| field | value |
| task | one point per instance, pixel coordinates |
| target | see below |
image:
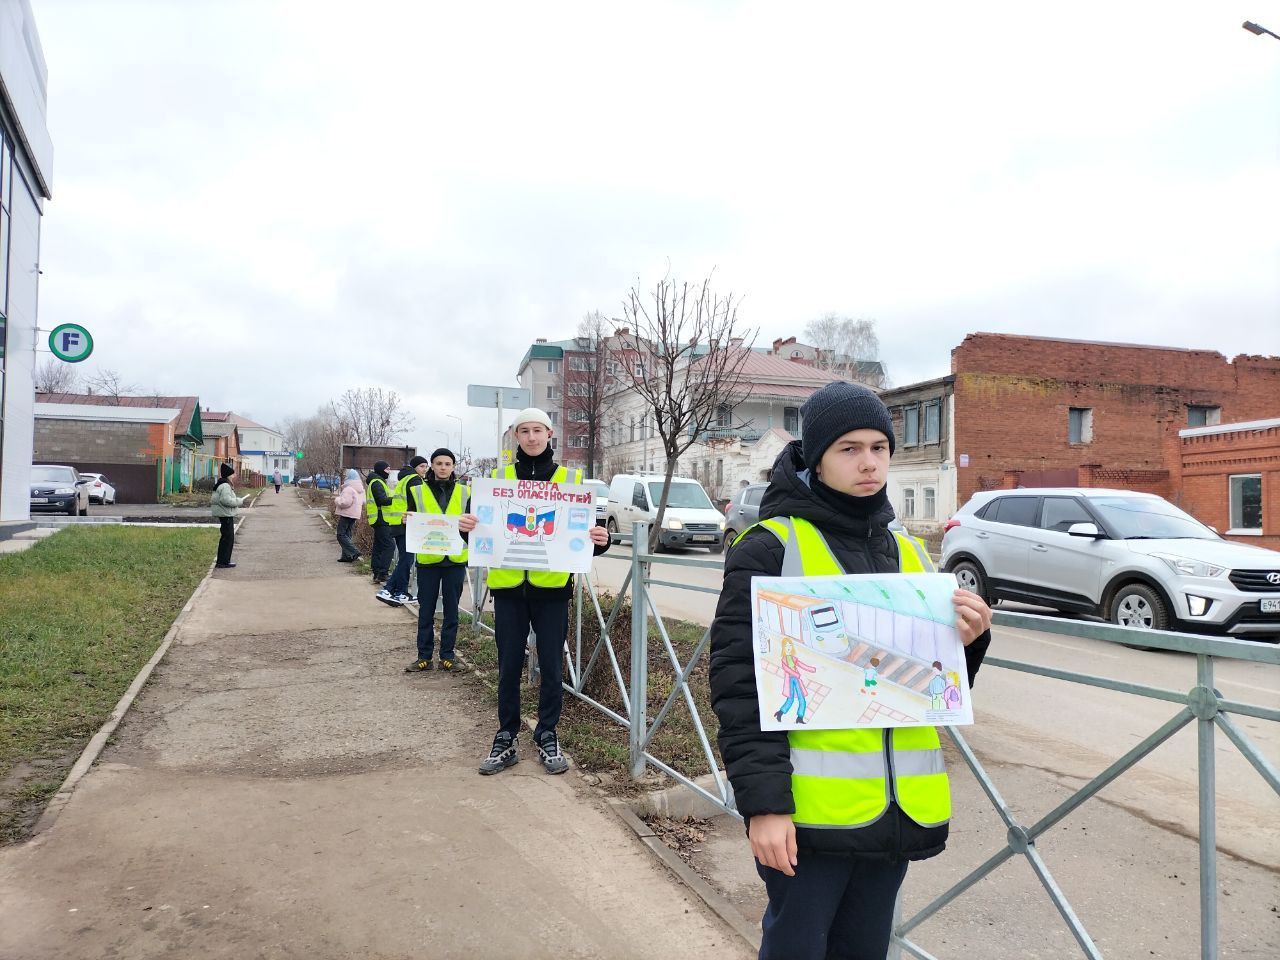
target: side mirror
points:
(1084, 530)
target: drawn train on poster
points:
(858, 651)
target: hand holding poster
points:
(432, 533)
(532, 525)
(871, 650)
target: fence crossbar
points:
(682, 680)
(604, 641)
(1062, 904)
(957, 888)
(1088, 679)
(1250, 750)
(721, 801)
(692, 587)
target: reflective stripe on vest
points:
(499, 579)
(371, 507)
(427, 503)
(846, 778)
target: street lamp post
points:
(1258, 30)
(459, 419)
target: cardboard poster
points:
(532, 525)
(432, 533)
(867, 650)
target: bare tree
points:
(590, 386)
(56, 376)
(684, 356)
(319, 437)
(109, 383)
(371, 415)
(842, 342)
(483, 466)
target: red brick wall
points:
(1012, 394)
(1207, 463)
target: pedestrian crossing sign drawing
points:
(531, 525)
(848, 652)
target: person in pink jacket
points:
(349, 504)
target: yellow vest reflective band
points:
(502, 579)
(394, 514)
(371, 507)
(427, 503)
(846, 778)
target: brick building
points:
(131, 445)
(1229, 477)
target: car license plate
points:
(1271, 606)
(703, 538)
(39, 499)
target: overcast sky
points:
(267, 203)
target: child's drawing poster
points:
(532, 525)
(868, 650)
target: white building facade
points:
(263, 449)
(26, 160)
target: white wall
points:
(19, 387)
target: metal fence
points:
(1202, 705)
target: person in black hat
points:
(831, 867)
(225, 505)
(377, 498)
(396, 592)
(439, 577)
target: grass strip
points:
(80, 613)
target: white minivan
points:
(691, 520)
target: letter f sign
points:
(70, 338)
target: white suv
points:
(1132, 558)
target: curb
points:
(93, 750)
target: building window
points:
(582, 364)
(639, 369)
(791, 420)
(1246, 502)
(911, 425)
(1080, 425)
(1199, 416)
(553, 392)
(612, 368)
(554, 417)
(932, 421)
(553, 366)
(579, 416)
(908, 503)
(719, 472)
(724, 415)
(579, 389)
(578, 442)
(633, 428)
(553, 442)
(930, 503)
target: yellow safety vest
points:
(394, 514)
(371, 507)
(499, 579)
(846, 778)
(427, 503)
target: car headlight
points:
(65, 490)
(722, 525)
(1188, 567)
(672, 523)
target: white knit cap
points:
(531, 415)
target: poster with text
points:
(867, 650)
(434, 534)
(532, 525)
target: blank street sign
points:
(509, 398)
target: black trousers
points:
(384, 549)
(349, 548)
(226, 539)
(399, 580)
(515, 611)
(834, 908)
(434, 579)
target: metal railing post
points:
(1205, 708)
(639, 649)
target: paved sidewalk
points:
(282, 789)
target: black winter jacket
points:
(758, 762)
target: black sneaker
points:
(501, 756)
(448, 665)
(421, 666)
(553, 761)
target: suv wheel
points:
(1137, 605)
(970, 577)
(612, 527)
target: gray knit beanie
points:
(835, 410)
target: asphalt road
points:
(1074, 731)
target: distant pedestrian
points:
(225, 505)
(347, 506)
(276, 479)
(396, 591)
(379, 511)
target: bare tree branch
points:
(56, 376)
(589, 392)
(109, 383)
(372, 416)
(842, 342)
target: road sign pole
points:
(498, 394)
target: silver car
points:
(1132, 558)
(743, 510)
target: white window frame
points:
(930, 503)
(553, 392)
(1086, 425)
(911, 415)
(579, 389)
(908, 503)
(553, 366)
(1235, 508)
(579, 416)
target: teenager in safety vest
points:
(537, 599)
(833, 816)
(396, 592)
(377, 498)
(439, 492)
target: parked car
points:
(743, 510)
(690, 519)
(1133, 558)
(601, 490)
(101, 489)
(58, 489)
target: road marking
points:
(1246, 686)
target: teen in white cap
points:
(537, 600)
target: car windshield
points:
(1138, 518)
(687, 495)
(598, 487)
(52, 475)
